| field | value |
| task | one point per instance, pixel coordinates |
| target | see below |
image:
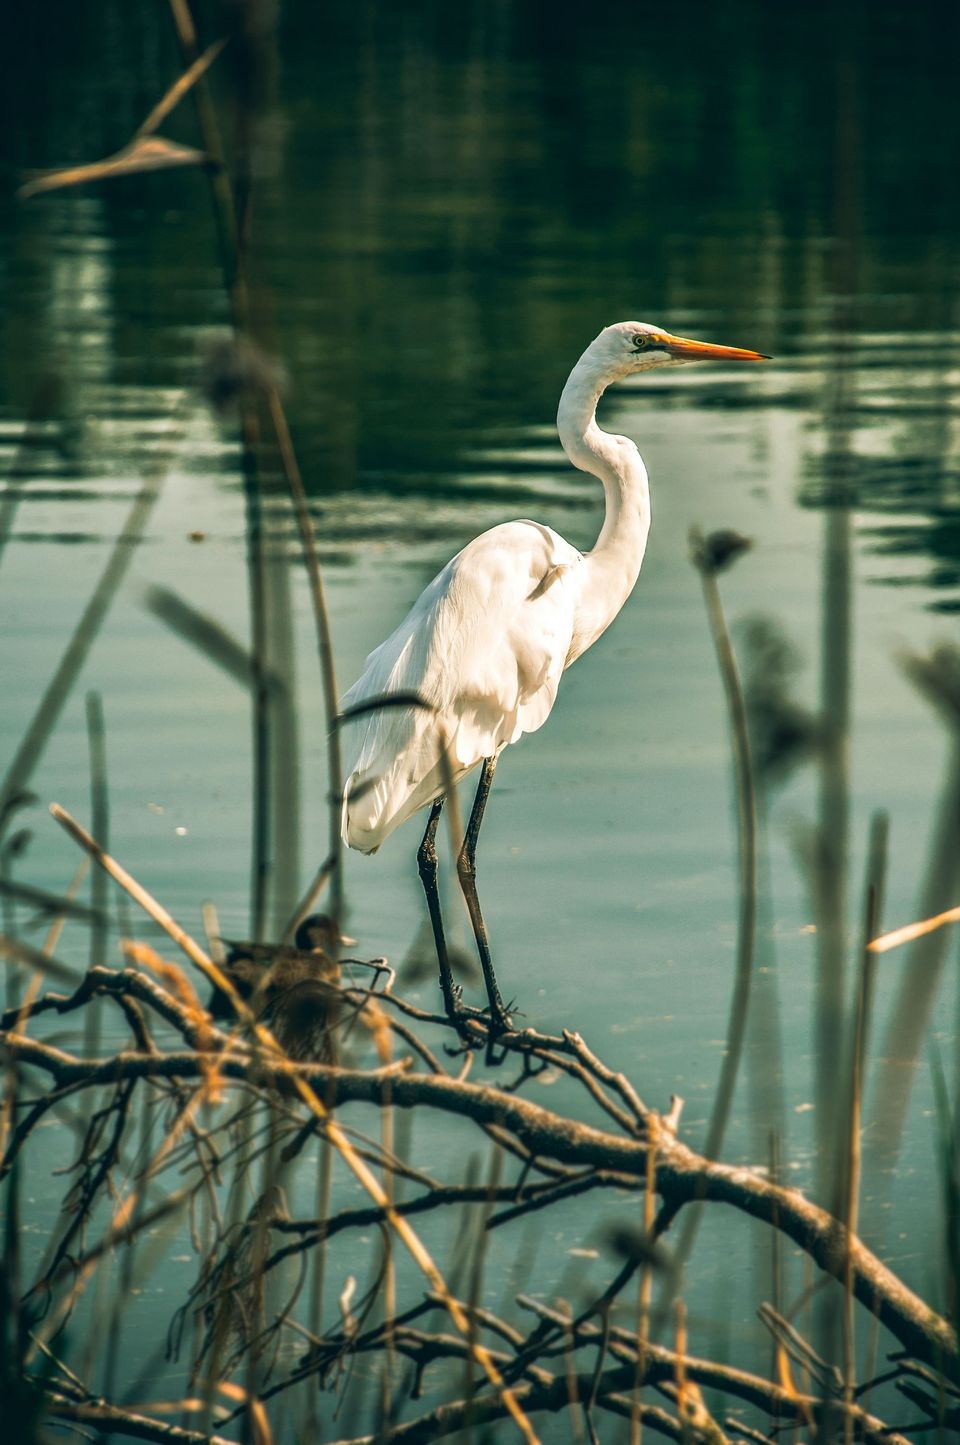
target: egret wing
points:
(484, 647)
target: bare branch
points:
(682, 1176)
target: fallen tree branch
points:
(682, 1176)
(108, 1419)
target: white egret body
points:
(486, 643)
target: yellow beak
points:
(705, 351)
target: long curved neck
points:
(614, 563)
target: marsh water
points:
(448, 203)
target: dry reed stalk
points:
(61, 683)
(231, 251)
(876, 866)
(100, 816)
(224, 212)
(308, 1095)
(836, 630)
(210, 1090)
(937, 678)
(260, 1425)
(182, 989)
(745, 792)
(211, 928)
(180, 87)
(144, 152)
(210, 638)
(378, 1023)
(645, 1291)
(776, 1260)
(34, 985)
(570, 1370)
(321, 615)
(910, 931)
(708, 561)
(57, 924)
(680, 1349)
(228, 233)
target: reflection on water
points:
(448, 205)
(443, 213)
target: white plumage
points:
(485, 645)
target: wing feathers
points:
(485, 645)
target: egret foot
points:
(498, 1019)
(465, 1022)
(478, 1028)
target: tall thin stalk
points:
(832, 845)
(873, 905)
(709, 555)
(938, 679)
(745, 794)
(58, 689)
(231, 240)
(324, 642)
(100, 815)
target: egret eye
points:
(640, 341)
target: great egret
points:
(484, 646)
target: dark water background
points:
(447, 203)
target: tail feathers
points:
(387, 788)
(377, 803)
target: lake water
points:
(448, 205)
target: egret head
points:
(631, 346)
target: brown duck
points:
(293, 989)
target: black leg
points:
(427, 863)
(467, 872)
